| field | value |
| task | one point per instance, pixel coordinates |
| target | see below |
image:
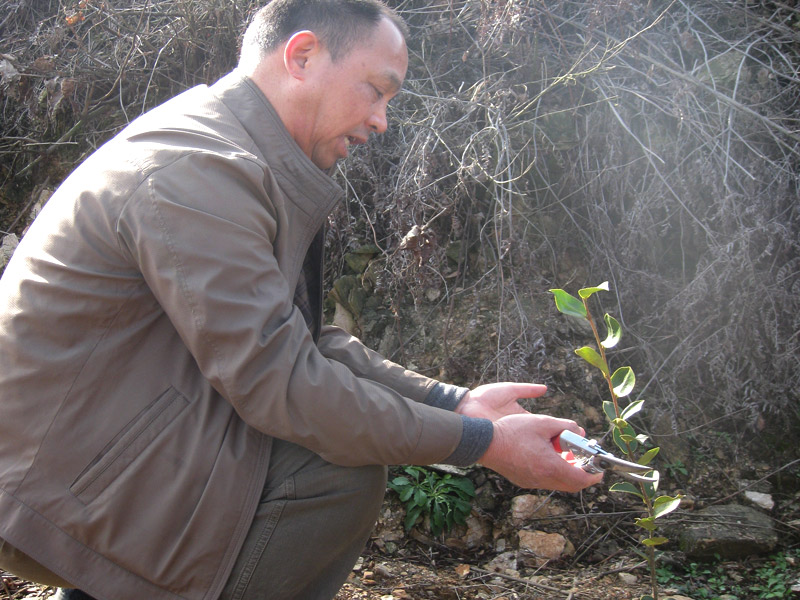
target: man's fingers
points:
(574, 478)
(556, 426)
(527, 390)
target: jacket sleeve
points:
(337, 344)
(201, 231)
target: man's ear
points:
(301, 48)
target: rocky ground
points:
(517, 545)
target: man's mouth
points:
(352, 140)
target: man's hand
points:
(522, 449)
(496, 400)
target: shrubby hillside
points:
(652, 144)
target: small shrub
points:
(445, 499)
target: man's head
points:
(339, 24)
(329, 67)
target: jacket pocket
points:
(129, 444)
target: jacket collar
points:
(310, 188)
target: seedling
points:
(445, 499)
(620, 384)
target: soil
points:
(381, 578)
(387, 580)
(605, 566)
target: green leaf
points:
(626, 488)
(651, 487)
(462, 508)
(648, 456)
(656, 541)
(464, 484)
(588, 291)
(415, 472)
(591, 356)
(663, 505)
(411, 517)
(647, 523)
(420, 497)
(620, 423)
(401, 481)
(569, 304)
(623, 381)
(632, 409)
(406, 494)
(437, 519)
(626, 434)
(647, 597)
(608, 409)
(614, 332)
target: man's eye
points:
(378, 94)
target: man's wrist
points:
(475, 440)
(445, 396)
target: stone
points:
(343, 319)
(485, 498)
(760, 500)
(539, 547)
(730, 531)
(479, 532)
(9, 244)
(529, 507)
(505, 562)
(628, 578)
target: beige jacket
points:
(149, 348)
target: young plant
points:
(445, 499)
(620, 384)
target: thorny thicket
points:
(661, 137)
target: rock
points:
(382, 571)
(485, 498)
(505, 562)
(9, 244)
(358, 259)
(529, 507)
(628, 578)
(343, 319)
(730, 531)
(539, 547)
(760, 500)
(762, 486)
(462, 570)
(479, 532)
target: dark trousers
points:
(310, 526)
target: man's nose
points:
(377, 120)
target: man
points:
(175, 421)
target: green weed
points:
(444, 498)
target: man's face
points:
(351, 95)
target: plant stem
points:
(651, 554)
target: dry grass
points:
(654, 145)
(537, 144)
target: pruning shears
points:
(593, 459)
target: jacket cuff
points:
(475, 440)
(446, 396)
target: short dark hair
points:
(339, 24)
